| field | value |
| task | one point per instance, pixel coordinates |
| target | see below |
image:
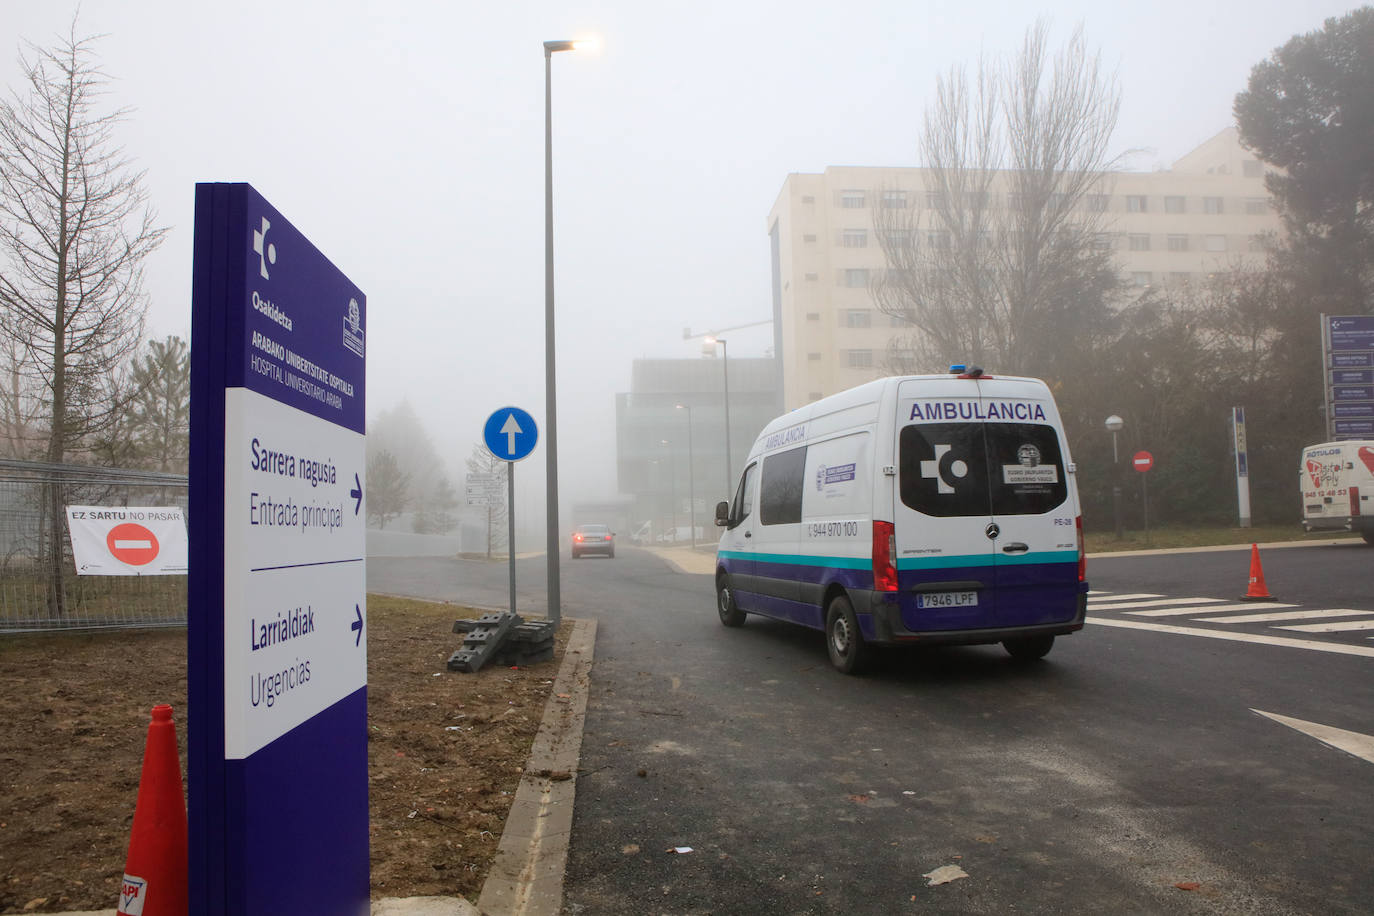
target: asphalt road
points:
(1131, 761)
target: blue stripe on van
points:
(989, 559)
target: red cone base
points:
(1257, 591)
(155, 873)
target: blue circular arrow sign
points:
(510, 433)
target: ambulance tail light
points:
(1354, 501)
(884, 553)
(1082, 554)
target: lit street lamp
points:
(691, 473)
(1115, 424)
(550, 403)
(725, 369)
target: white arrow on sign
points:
(1359, 745)
(510, 429)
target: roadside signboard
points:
(128, 540)
(510, 433)
(277, 671)
(1143, 461)
(1348, 370)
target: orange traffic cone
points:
(1257, 591)
(155, 873)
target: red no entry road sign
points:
(131, 543)
(1143, 461)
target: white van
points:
(1337, 480)
(917, 510)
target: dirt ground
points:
(445, 754)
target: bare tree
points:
(75, 228)
(1004, 247)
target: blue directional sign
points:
(277, 641)
(510, 434)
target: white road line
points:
(1359, 745)
(1211, 608)
(1281, 615)
(1342, 627)
(1283, 641)
(1115, 606)
(1122, 597)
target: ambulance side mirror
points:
(722, 514)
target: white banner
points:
(128, 540)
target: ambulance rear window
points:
(950, 470)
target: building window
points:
(852, 200)
(1096, 203)
(1250, 168)
(1102, 241)
(894, 200)
(1211, 205)
(937, 238)
(855, 277)
(1256, 206)
(935, 199)
(1178, 243)
(813, 316)
(809, 238)
(1258, 243)
(808, 199)
(812, 277)
(813, 357)
(1216, 243)
(976, 199)
(1175, 204)
(858, 318)
(1139, 241)
(854, 238)
(898, 238)
(1136, 203)
(1180, 278)
(859, 359)
(1140, 278)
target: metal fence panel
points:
(39, 589)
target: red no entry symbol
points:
(1143, 461)
(132, 544)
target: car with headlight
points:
(589, 539)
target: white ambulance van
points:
(916, 510)
(1337, 480)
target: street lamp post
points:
(725, 370)
(691, 474)
(550, 386)
(1115, 424)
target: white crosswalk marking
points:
(1210, 609)
(1173, 602)
(1280, 615)
(1100, 600)
(1342, 627)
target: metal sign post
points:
(510, 434)
(1242, 465)
(1142, 462)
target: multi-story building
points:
(1209, 213)
(671, 462)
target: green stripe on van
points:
(940, 562)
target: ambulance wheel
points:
(848, 651)
(730, 614)
(1028, 648)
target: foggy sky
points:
(406, 140)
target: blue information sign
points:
(510, 433)
(277, 661)
(1351, 332)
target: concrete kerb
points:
(526, 878)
